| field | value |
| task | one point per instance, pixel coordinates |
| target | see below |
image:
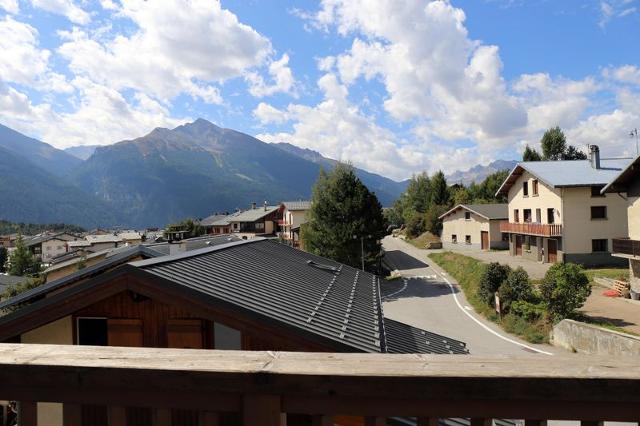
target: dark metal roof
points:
(405, 339)
(299, 289)
(87, 272)
(39, 239)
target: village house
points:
(252, 295)
(211, 226)
(475, 226)
(49, 245)
(627, 246)
(293, 216)
(558, 214)
(256, 221)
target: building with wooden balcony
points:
(251, 295)
(294, 215)
(475, 226)
(557, 212)
(627, 246)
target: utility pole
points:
(634, 133)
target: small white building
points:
(294, 215)
(474, 226)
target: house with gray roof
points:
(557, 212)
(258, 220)
(474, 226)
(47, 246)
(294, 215)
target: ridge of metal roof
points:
(474, 209)
(193, 253)
(78, 275)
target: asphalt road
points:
(424, 299)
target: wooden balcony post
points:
(322, 421)
(427, 421)
(162, 417)
(261, 410)
(71, 415)
(375, 421)
(208, 418)
(28, 413)
(117, 416)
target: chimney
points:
(594, 156)
(265, 206)
(253, 206)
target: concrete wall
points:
(588, 339)
(455, 223)
(59, 332)
(53, 248)
(579, 229)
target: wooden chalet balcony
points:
(626, 247)
(530, 228)
(273, 388)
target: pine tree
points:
(439, 195)
(343, 212)
(3, 258)
(530, 154)
(22, 261)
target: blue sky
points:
(394, 87)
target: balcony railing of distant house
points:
(626, 247)
(531, 228)
(271, 388)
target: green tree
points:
(530, 154)
(342, 212)
(439, 194)
(572, 153)
(554, 144)
(564, 289)
(416, 197)
(494, 275)
(22, 261)
(461, 196)
(516, 287)
(432, 221)
(3, 258)
(415, 226)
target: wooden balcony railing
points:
(528, 228)
(268, 388)
(626, 246)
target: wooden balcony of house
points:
(625, 247)
(273, 388)
(531, 228)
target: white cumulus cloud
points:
(66, 8)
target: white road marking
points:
(455, 297)
(404, 287)
(468, 308)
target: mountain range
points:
(478, 173)
(169, 174)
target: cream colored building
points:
(474, 226)
(294, 215)
(558, 214)
(47, 246)
(627, 184)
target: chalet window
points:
(534, 187)
(259, 225)
(516, 215)
(92, 331)
(598, 212)
(467, 215)
(551, 216)
(595, 191)
(538, 216)
(467, 239)
(527, 215)
(454, 238)
(226, 337)
(599, 245)
(525, 189)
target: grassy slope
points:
(467, 271)
(422, 241)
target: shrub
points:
(415, 225)
(528, 310)
(564, 289)
(516, 287)
(494, 275)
